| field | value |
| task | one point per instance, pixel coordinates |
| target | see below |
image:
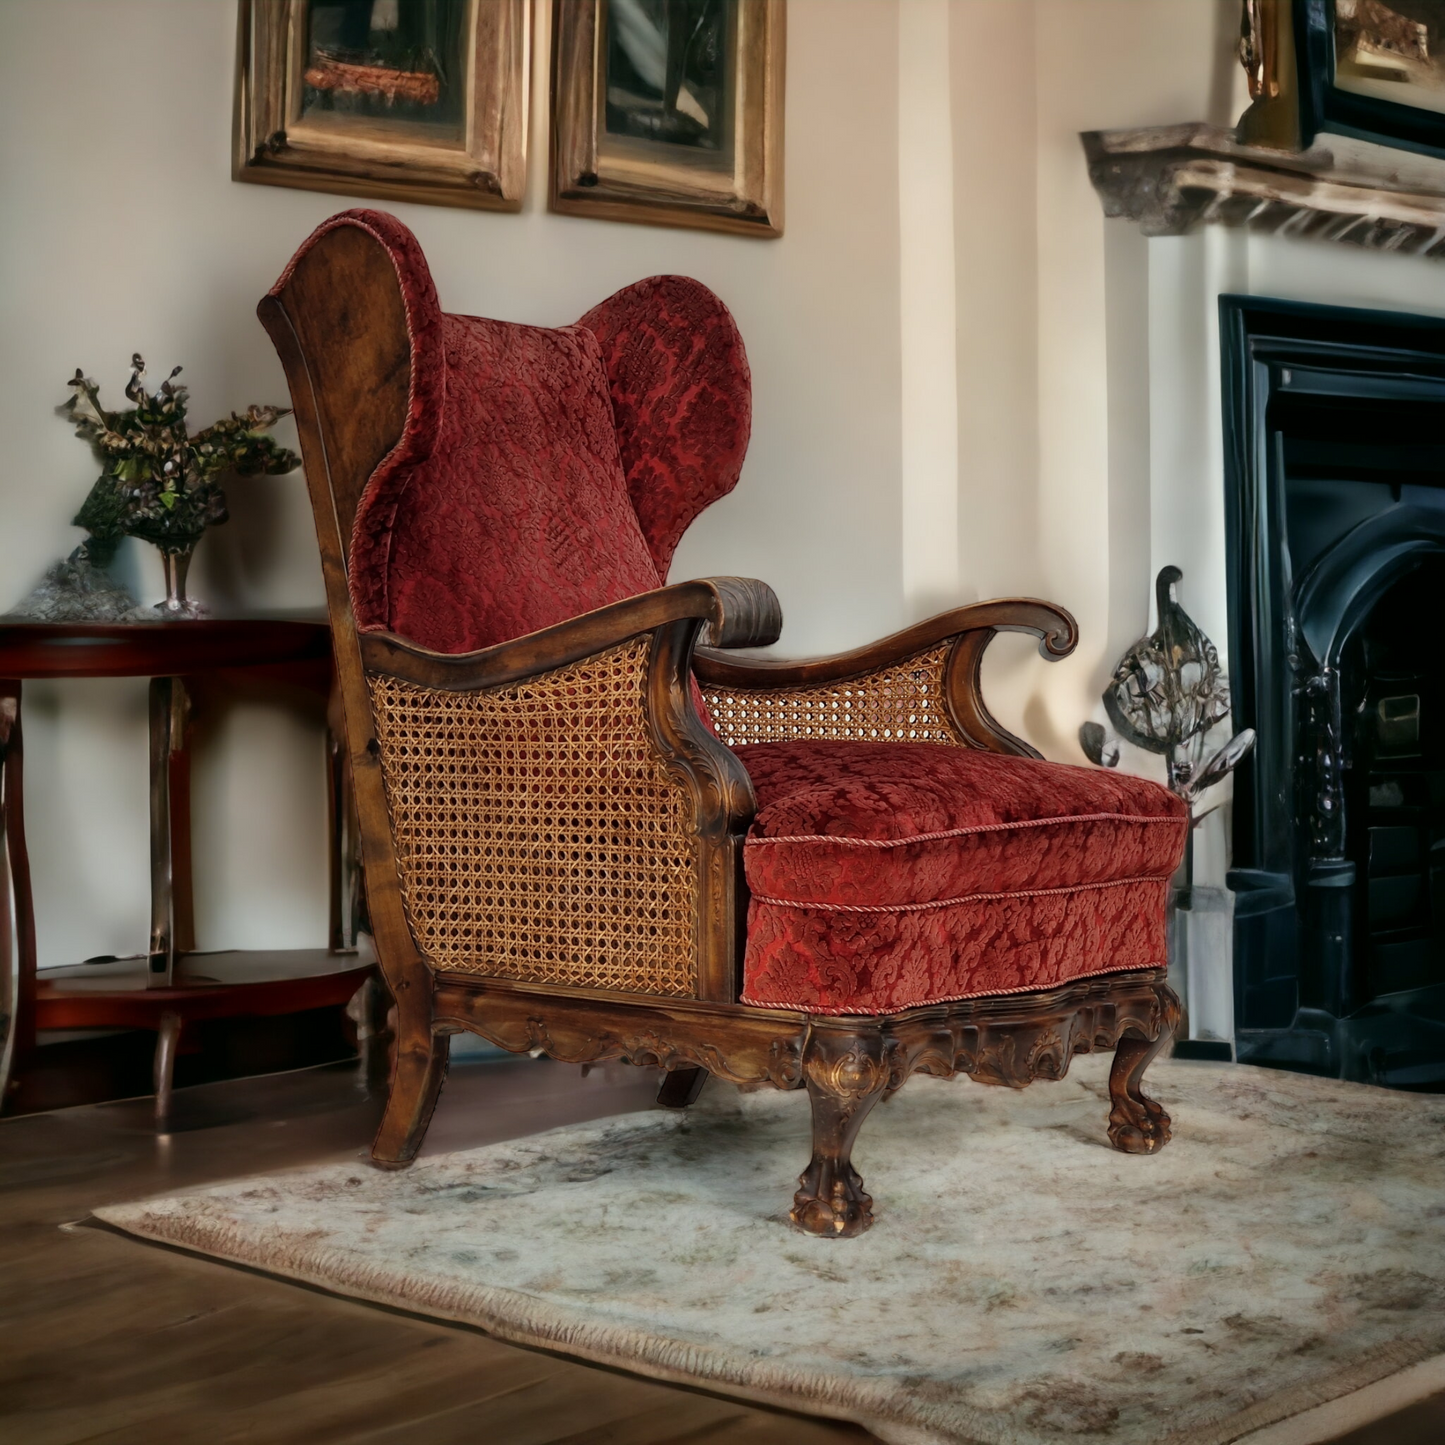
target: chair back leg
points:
(681, 1087)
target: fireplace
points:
(1335, 500)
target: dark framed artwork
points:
(1372, 69)
(670, 112)
(406, 100)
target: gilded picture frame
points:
(669, 126)
(1371, 69)
(402, 100)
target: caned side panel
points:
(538, 835)
(903, 702)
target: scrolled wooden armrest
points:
(969, 629)
(737, 611)
(1056, 630)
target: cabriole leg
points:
(845, 1076)
(417, 1073)
(1137, 1124)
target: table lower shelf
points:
(229, 984)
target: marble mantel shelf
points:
(1172, 179)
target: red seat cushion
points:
(892, 875)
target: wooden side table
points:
(169, 986)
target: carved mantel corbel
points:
(1173, 179)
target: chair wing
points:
(681, 398)
(355, 311)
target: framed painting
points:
(1374, 70)
(405, 100)
(669, 112)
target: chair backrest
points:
(490, 479)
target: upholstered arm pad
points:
(919, 685)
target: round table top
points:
(163, 648)
(113, 993)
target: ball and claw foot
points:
(831, 1204)
(1137, 1124)
(846, 1076)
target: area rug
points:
(1023, 1283)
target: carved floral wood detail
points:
(847, 1064)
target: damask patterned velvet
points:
(890, 875)
(682, 398)
(521, 518)
(512, 500)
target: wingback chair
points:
(584, 835)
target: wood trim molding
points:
(611, 178)
(1173, 179)
(485, 167)
(420, 1058)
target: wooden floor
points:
(109, 1341)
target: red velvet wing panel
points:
(682, 400)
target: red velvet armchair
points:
(584, 834)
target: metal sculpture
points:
(1167, 695)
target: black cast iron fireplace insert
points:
(1334, 426)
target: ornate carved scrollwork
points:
(1011, 1041)
(1322, 762)
(849, 1064)
(579, 1033)
(853, 1073)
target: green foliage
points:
(159, 482)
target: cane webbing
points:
(538, 835)
(901, 702)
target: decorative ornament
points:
(1167, 695)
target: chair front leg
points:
(1137, 1124)
(845, 1075)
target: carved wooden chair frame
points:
(348, 367)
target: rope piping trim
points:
(952, 902)
(756, 842)
(834, 1011)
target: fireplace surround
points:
(1335, 514)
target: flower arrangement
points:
(159, 482)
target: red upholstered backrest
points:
(507, 505)
(519, 516)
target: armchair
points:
(583, 833)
